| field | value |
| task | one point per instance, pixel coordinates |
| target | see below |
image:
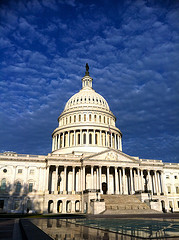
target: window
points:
(167, 177)
(70, 119)
(5, 170)
(95, 118)
(104, 119)
(84, 117)
(19, 170)
(79, 118)
(178, 204)
(75, 118)
(78, 138)
(177, 190)
(175, 177)
(30, 187)
(108, 120)
(18, 187)
(99, 118)
(90, 138)
(3, 184)
(169, 189)
(66, 120)
(90, 117)
(84, 138)
(96, 138)
(32, 171)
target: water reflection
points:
(62, 229)
(118, 229)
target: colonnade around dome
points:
(87, 137)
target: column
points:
(81, 137)
(115, 141)
(63, 140)
(111, 139)
(84, 185)
(65, 180)
(135, 181)
(73, 180)
(92, 178)
(47, 180)
(100, 138)
(156, 183)
(68, 138)
(162, 183)
(56, 179)
(106, 139)
(59, 141)
(74, 138)
(116, 182)
(108, 179)
(142, 182)
(97, 178)
(123, 180)
(131, 178)
(120, 178)
(149, 181)
(87, 137)
(138, 179)
(120, 143)
(100, 180)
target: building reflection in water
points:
(121, 229)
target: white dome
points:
(87, 97)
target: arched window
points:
(78, 138)
(18, 187)
(108, 121)
(66, 120)
(95, 117)
(3, 184)
(70, 119)
(99, 118)
(90, 138)
(84, 117)
(75, 118)
(104, 119)
(84, 138)
(30, 187)
(90, 117)
(79, 118)
(96, 138)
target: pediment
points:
(112, 155)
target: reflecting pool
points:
(109, 228)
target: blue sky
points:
(132, 48)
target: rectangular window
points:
(167, 177)
(169, 190)
(177, 190)
(30, 187)
(32, 171)
(19, 170)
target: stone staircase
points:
(125, 204)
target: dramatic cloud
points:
(132, 48)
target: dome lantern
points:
(87, 80)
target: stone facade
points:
(86, 161)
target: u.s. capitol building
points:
(86, 171)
